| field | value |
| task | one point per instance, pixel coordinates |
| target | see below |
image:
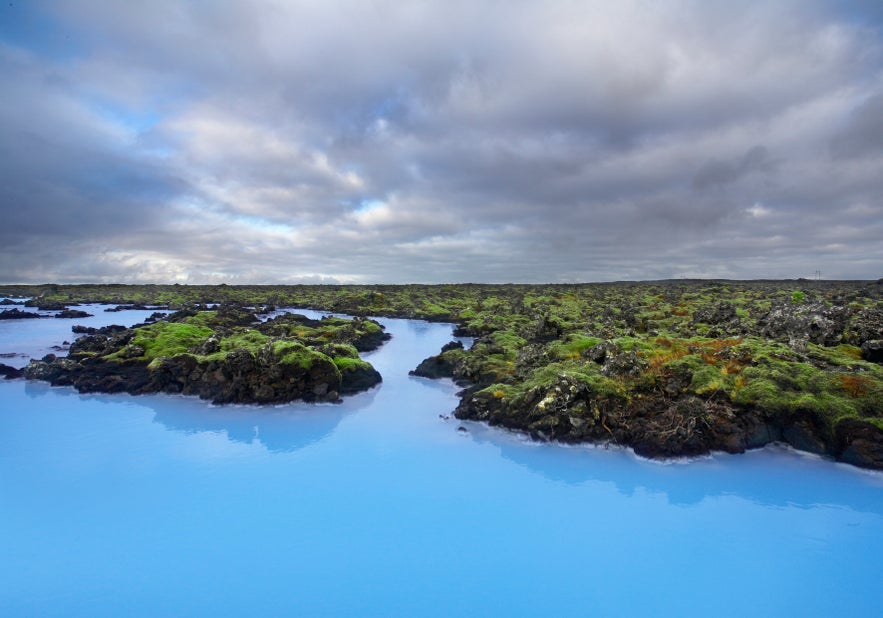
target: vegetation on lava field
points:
(226, 355)
(610, 361)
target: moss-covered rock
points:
(225, 356)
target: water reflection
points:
(801, 481)
(280, 429)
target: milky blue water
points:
(168, 506)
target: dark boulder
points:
(10, 373)
(624, 364)
(358, 378)
(864, 325)
(601, 352)
(813, 322)
(717, 313)
(860, 443)
(127, 308)
(434, 367)
(18, 314)
(56, 371)
(103, 341)
(531, 356)
(806, 434)
(113, 329)
(155, 316)
(873, 351)
(73, 314)
(368, 339)
(545, 329)
(452, 345)
(46, 305)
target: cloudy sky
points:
(372, 141)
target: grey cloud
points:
(444, 141)
(863, 135)
(721, 173)
(66, 174)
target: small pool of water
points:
(381, 506)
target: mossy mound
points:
(225, 355)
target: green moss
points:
(339, 350)
(370, 327)
(707, 379)
(296, 353)
(346, 363)
(605, 387)
(202, 318)
(842, 355)
(824, 405)
(508, 340)
(573, 346)
(169, 339)
(762, 393)
(499, 391)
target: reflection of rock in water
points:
(280, 429)
(783, 478)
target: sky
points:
(376, 141)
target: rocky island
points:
(225, 355)
(669, 368)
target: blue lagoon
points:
(384, 505)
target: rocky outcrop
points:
(873, 351)
(655, 426)
(860, 443)
(813, 322)
(18, 314)
(362, 333)
(715, 314)
(72, 314)
(241, 377)
(102, 341)
(357, 378)
(79, 329)
(439, 366)
(864, 325)
(217, 356)
(237, 377)
(46, 305)
(131, 307)
(9, 373)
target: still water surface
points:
(168, 506)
